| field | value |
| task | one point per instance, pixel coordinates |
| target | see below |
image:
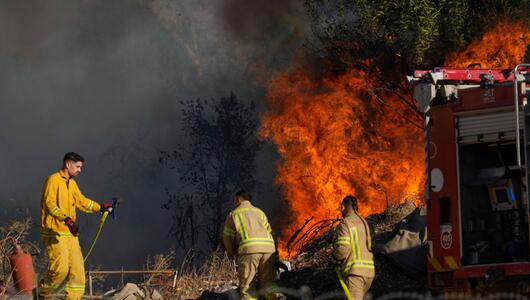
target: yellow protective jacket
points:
(353, 247)
(247, 231)
(60, 199)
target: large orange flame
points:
(502, 47)
(335, 138)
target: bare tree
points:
(217, 159)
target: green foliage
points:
(413, 25)
(453, 21)
(416, 32)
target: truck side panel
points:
(443, 221)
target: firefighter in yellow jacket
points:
(353, 250)
(60, 199)
(248, 234)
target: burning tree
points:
(403, 34)
(217, 159)
(336, 138)
(496, 49)
(344, 119)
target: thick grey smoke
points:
(99, 79)
(275, 29)
(275, 32)
(261, 20)
(104, 78)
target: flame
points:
(502, 47)
(336, 138)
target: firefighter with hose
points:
(248, 234)
(352, 254)
(60, 199)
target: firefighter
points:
(352, 253)
(248, 235)
(60, 199)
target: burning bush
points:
(337, 136)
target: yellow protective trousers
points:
(256, 270)
(358, 286)
(65, 265)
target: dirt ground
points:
(312, 268)
(313, 276)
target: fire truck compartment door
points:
(487, 127)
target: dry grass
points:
(17, 230)
(160, 262)
(98, 281)
(218, 274)
(387, 220)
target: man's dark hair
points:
(244, 194)
(351, 200)
(73, 157)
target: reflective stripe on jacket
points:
(353, 248)
(60, 199)
(247, 230)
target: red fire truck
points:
(477, 133)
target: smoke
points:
(80, 76)
(259, 20)
(103, 78)
(273, 31)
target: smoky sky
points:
(104, 78)
(256, 19)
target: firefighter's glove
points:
(72, 226)
(106, 207)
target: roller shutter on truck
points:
(487, 127)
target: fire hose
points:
(341, 280)
(115, 204)
(21, 262)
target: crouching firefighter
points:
(60, 199)
(248, 234)
(352, 252)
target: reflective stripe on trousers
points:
(65, 266)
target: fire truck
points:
(477, 137)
